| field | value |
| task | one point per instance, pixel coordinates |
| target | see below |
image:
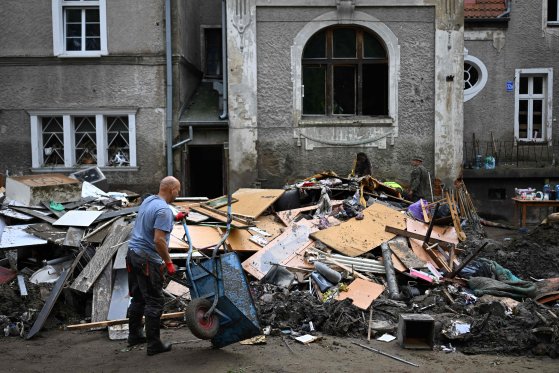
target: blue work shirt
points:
(154, 213)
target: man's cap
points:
(417, 158)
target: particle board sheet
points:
(202, 237)
(239, 239)
(294, 237)
(297, 259)
(400, 248)
(14, 236)
(253, 202)
(362, 292)
(356, 237)
(288, 216)
(446, 234)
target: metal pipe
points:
(169, 104)
(385, 354)
(224, 99)
(390, 275)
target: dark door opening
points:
(205, 176)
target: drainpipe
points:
(507, 12)
(224, 99)
(169, 108)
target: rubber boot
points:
(155, 346)
(136, 333)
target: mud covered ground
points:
(499, 341)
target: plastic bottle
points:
(546, 190)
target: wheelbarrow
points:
(222, 308)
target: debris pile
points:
(331, 255)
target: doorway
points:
(206, 174)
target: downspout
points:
(224, 99)
(169, 104)
(507, 12)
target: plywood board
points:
(400, 248)
(288, 216)
(269, 224)
(446, 234)
(220, 217)
(253, 202)
(356, 237)
(294, 237)
(202, 237)
(397, 264)
(362, 292)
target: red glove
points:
(170, 268)
(181, 215)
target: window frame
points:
(483, 75)
(101, 132)
(331, 62)
(392, 45)
(547, 92)
(58, 23)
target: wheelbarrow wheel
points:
(202, 327)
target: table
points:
(523, 204)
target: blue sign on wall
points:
(510, 86)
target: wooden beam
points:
(405, 233)
(102, 324)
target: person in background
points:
(419, 181)
(361, 166)
(146, 261)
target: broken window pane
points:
(314, 84)
(118, 140)
(85, 137)
(53, 140)
(316, 46)
(344, 90)
(344, 43)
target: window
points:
(533, 105)
(79, 28)
(475, 76)
(212, 52)
(83, 139)
(345, 72)
(552, 12)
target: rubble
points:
(325, 256)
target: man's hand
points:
(181, 215)
(170, 268)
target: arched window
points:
(345, 72)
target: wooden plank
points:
(220, 217)
(102, 294)
(397, 264)
(117, 235)
(294, 237)
(400, 248)
(120, 258)
(202, 237)
(288, 216)
(356, 237)
(94, 325)
(362, 292)
(419, 251)
(253, 202)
